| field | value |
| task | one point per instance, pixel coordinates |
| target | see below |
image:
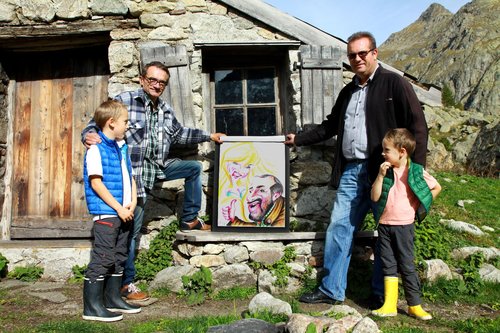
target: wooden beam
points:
(37, 228)
(197, 236)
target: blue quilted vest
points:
(111, 157)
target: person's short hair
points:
(107, 110)
(363, 34)
(157, 64)
(401, 138)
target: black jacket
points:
(390, 103)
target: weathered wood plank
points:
(39, 191)
(27, 227)
(321, 64)
(46, 244)
(306, 87)
(318, 87)
(22, 132)
(87, 95)
(197, 236)
(80, 28)
(60, 170)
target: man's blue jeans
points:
(191, 172)
(349, 210)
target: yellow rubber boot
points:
(419, 313)
(390, 307)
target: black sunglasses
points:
(361, 54)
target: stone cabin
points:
(61, 59)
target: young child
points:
(110, 191)
(400, 188)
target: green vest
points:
(418, 186)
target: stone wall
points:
(179, 22)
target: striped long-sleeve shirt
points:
(149, 154)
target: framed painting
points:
(251, 184)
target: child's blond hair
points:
(107, 110)
(401, 138)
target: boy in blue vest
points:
(111, 196)
(403, 190)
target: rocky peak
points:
(435, 11)
(458, 50)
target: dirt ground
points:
(24, 305)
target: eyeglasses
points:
(361, 54)
(153, 82)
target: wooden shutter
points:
(321, 81)
(178, 93)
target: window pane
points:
(228, 87)
(262, 121)
(260, 85)
(229, 121)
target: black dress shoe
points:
(375, 302)
(318, 296)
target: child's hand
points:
(125, 214)
(383, 168)
(131, 206)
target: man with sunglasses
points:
(375, 101)
(153, 128)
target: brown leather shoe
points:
(132, 293)
(195, 224)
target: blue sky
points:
(343, 17)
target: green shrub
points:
(159, 254)
(3, 266)
(279, 269)
(28, 273)
(197, 286)
(78, 273)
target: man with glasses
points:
(375, 101)
(153, 128)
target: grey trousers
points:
(109, 250)
(396, 246)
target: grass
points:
(433, 240)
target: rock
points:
(435, 269)
(462, 226)
(297, 323)
(235, 275)
(464, 252)
(461, 203)
(264, 302)
(489, 273)
(366, 325)
(171, 277)
(251, 325)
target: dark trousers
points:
(109, 250)
(396, 246)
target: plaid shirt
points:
(149, 151)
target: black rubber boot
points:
(112, 298)
(93, 302)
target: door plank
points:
(21, 161)
(62, 104)
(39, 191)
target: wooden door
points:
(55, 95)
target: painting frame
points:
(251, 185)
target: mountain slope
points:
(460, 51)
